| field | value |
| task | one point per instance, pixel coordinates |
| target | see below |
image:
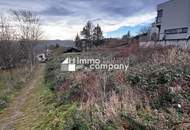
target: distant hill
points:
(42, 46)
(64, 43)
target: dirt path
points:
(26, 108)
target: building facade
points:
(173, 20)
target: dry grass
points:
(11, 81)
(26, 109)
(147, 92)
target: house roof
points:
(71, 49)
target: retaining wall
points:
(185, 44)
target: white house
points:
(173, 20)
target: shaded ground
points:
(25, 110)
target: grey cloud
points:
(125, 8)
(77, 12)
(86, 8)
(33, 5)
(56, 11)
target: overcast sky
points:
(62, 19)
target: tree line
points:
(20, 31)
(89, 36)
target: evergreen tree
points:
(87, 31)
(77, 41)
(97, 34)
(127, 36)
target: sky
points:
(63, 19)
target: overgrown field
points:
(153, 94)
(11, 81)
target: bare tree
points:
(29, 31)
(5, 34)
(7, 51)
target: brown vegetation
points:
(147, 96)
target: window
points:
(184, 30)
(171, 31)
(160, 13)
(176, 31)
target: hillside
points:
(152, 94)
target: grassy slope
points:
(146, 71)
(10, 83)
(42, 110)
(28, 106)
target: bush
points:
(156, 80)
(3, 104)
(134, 125)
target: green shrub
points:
(134, 125)
(78, 121)
(3, 104)
(151, 77)
(73, 94)
(147, 117)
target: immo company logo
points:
(67, 66)
(74, 64)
